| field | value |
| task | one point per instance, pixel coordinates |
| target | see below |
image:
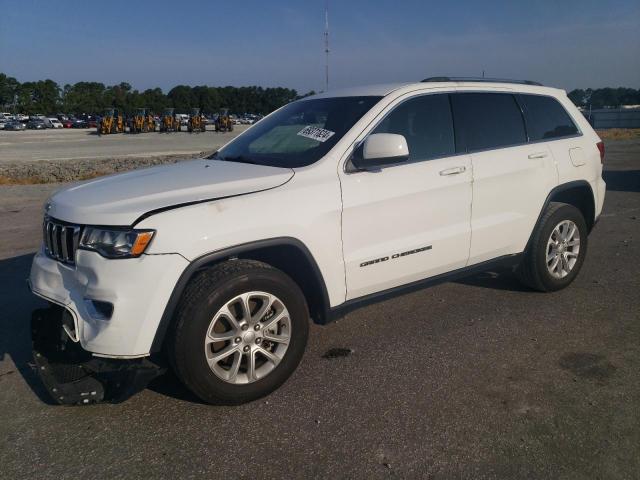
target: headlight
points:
(116, 243)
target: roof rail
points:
(480, 79)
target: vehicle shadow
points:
(622, 180)
(497, 279)
(169, 385)
(17, 303)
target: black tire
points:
(203, 297)
(533, 270)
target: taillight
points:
(600, 146)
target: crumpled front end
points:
(73, 376)
(116, 305)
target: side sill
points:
(351, 305)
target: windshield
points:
(298, 134)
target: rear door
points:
(408, 221)
(511, 177)
(548, 121)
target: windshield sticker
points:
(316, 133)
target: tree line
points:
(47, 97)
(605, 97)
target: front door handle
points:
(453, 171)
(535, 156)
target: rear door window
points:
(487, 120)
(426, 124)
(546, 118)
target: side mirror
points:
(379, 150)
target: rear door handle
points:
(452, 171)
(535, 156)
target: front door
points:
(409, 221)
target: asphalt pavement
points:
(476, 379)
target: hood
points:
(122, 199)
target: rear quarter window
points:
(546, 118)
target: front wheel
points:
(240, 331)
(557, 249)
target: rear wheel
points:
(240, 331)
(557, 250)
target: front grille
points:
(60, 240)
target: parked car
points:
(55, 123)
(86, 121)
(14, 125)
(68, 123)
(183, 117)
(40, 118)
(333, 201)
(36, 124)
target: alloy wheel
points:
(248, 337)
(563, 248)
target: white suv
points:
(339, 199)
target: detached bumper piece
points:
(72, 376)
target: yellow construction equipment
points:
(151, 122)
(111, 122)
(169, 122)
(223, 122)
(142, 121)
(196, 121)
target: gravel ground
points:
(475, 379)
(66, 155)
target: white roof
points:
(385, 89)
(364, 91)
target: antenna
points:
(326, 45)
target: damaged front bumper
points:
(73, 376)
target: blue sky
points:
(563, 43)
